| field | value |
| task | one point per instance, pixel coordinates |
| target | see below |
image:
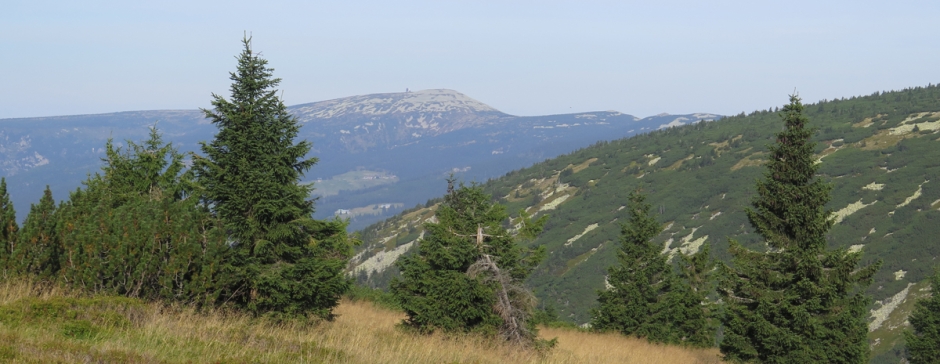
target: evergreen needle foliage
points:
(136, 230)
(37, 249)
(923, 344)
(8, 226)
(468, 272)
(283, 261)
(132, 231)
(687, 307)
(797, 302)
(646, 298)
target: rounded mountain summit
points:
(400, 115)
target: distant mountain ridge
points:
(400, 103)
(360, 123)
(419, 137)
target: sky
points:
(521, 57)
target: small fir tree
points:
(645, 298)
(8, 226)
(152, 168)
(284, 261)
(684, 311)
(797, 302)
(636, 284)
(923, 343)
(37, 248)
(468, 272)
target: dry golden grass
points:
(880, 140)
(369, 334)
(119, 330)
(725, 145)
(678, 163)
(584, 347)
(583, 165)
(753, 160)
(864, 123)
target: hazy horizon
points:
(523, 58)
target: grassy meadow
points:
(48, 324)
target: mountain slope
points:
(881, 153)
(400, 143)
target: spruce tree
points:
(638, 281)
(645, 297)
(923, 343)
(468, 272)
(798, 302)
(684, 312)
(37, 247)
(284, 261)
(8, 226)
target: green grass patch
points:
(571, 263)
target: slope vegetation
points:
(881, 153)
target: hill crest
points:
(434, 100)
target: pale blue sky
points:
(522, 57)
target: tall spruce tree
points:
(468, 272)
(8, 226)
(798, 302)
(923, 343)
(645, 297)
(284, 261)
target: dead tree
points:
(513, 300)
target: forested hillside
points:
(880, 152)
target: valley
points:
(352, 181)
(418, 137)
